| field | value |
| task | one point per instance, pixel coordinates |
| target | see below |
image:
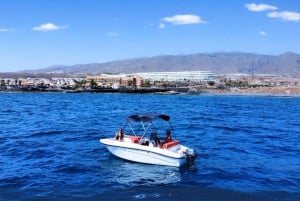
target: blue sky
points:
(36, 34)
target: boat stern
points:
(190, 156)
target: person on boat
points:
(120, 134)
(168, 137)
(155, 140)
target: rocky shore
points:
(267, 91)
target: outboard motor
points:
(190, 156)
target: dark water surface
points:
(249, 148)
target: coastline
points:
(259, 91)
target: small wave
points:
(9, 111)
(142, 181)
(14, 181)
(238, 150)
(39, 153)
(46, 133)
(227, 128)
(143, 196)
(72, 169)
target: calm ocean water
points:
(248, 146)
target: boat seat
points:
(170, 144)
(134, 139)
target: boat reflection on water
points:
(122, 172)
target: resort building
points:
(195, 76)
(109, 80)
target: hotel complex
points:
(196, 76)
(149, 81)
(138, 79)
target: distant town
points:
(191, 82)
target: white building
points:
(196, 76)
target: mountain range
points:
(220, 63)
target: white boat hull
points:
(145, 154)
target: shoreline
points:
(262, 91)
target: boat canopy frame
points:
(147, 117)
(147, 121)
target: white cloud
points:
(285, 15)
(260, 7)
(161, 26)
(184, 19)
(6, 30)
(48, 27)
(263, 33)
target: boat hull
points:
(144, 154)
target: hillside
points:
(221, 63)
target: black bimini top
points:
(148, 117)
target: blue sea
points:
(248, 148)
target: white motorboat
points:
(138, 142)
